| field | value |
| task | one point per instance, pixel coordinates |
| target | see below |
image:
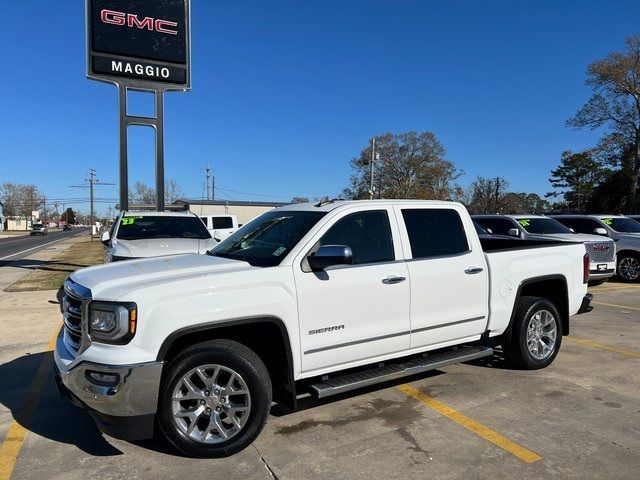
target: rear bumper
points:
(586, 306)
(601, 274)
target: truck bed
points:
(504, 244)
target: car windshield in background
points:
(542, 226)
(38, 225)
(265, 241)
(149, 227)
(623, 225)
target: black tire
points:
(514, 343)
(624, 274)
(595, 283)
(229, 354)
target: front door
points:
(352, 314)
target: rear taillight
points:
(585, 268)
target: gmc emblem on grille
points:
(601, 248)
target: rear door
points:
(352, 314)
(447, 270)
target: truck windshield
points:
(543, 226)
(623, 225)
(266, 240)
(149, 227)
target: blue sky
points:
(286, 93)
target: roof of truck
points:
(327, 206)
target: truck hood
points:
(110, 281)
(160, 246)
(577, 237)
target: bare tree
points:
(143, 194)
(487, 195)
(615, 104)
(20, 199)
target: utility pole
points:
(208, 176)
(92, 180)
(373, 156)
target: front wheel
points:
(536, 334)
(214, 399)
(629, 267)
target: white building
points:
(244, 211)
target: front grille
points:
(601, 252)
(73, 301)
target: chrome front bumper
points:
(133, 393)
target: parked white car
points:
(155, 234)
(601, 250)
(220, 226)
(319, 299)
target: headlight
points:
(112, 322)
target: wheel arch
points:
(551, 287)
(268, 338)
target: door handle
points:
(473, 270)
(392, 280)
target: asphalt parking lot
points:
(579, 418)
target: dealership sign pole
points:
(140, 45)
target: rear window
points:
(148, 227)
(435, 232)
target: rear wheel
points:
(629, 267)
(536, 334)
(214, 399)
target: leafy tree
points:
(521, 202)
(299, 200)
(20, 199)
(69, 216)
(608, 197)
(410, 165)
(615, 104)
(577, 176)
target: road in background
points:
(13, 248)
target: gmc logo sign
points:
(131, 20)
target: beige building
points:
(244, 211)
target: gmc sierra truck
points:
(314, 299)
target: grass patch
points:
(51, 274)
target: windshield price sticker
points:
(525, 222)
(128, 220)
(607, 221)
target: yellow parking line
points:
(12, 444)
(617, 306)
(602, 346)
(494, 437)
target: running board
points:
(353, 381)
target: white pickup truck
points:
(318, 299)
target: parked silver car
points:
(624, 231)
(601, 251)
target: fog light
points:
(102, 378)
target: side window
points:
(367, 233)
(435, 232)
(221, 222)
(498, 226)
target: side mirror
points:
(489, 231)
(601, 231)
(216, 236)
(105, 238)
(572, 230)
(330, 255)
(514, 232)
